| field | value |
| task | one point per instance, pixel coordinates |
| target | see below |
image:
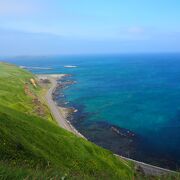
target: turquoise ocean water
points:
(140, 93)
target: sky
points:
(43, 27)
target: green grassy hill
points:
(32, 146)
(13, 81)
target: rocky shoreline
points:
(63, 84)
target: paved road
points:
(148, 169)
(55, 110)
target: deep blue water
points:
(138, 92)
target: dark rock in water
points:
(122, 132)
(118, 140)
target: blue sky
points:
(43, 27)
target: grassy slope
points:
(32, 147)
(12, 94)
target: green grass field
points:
(34, 147)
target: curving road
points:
(62, 122)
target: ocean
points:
(129, 104)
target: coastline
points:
(54, 108)
(64, 123)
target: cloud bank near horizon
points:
(14, 43)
